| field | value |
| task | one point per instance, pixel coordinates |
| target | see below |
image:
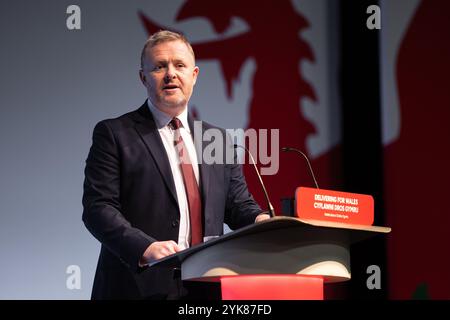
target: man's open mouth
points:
(170, 87)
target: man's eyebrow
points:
(179, 60)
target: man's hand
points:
(158, 250)
(261, 217)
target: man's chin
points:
(173, 105)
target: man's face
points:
(169, 74)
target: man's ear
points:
(196, 71)
(142, 77)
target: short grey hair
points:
(161, 37)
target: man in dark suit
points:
(147, 192)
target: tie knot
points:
(175, 124)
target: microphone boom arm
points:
(269, 204)
(287, 149)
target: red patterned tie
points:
(190, 184)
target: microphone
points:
(287, 149)
(269, 204)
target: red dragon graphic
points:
(273, 42)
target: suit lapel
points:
(146, 128)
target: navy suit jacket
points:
(130, 201)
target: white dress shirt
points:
(162, 121)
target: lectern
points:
(284, 258)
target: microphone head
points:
(285, 149)
(235, 145)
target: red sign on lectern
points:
(336, 206)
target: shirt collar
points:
(162, 119)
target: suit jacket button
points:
(175, 223)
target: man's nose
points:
(170, 73)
